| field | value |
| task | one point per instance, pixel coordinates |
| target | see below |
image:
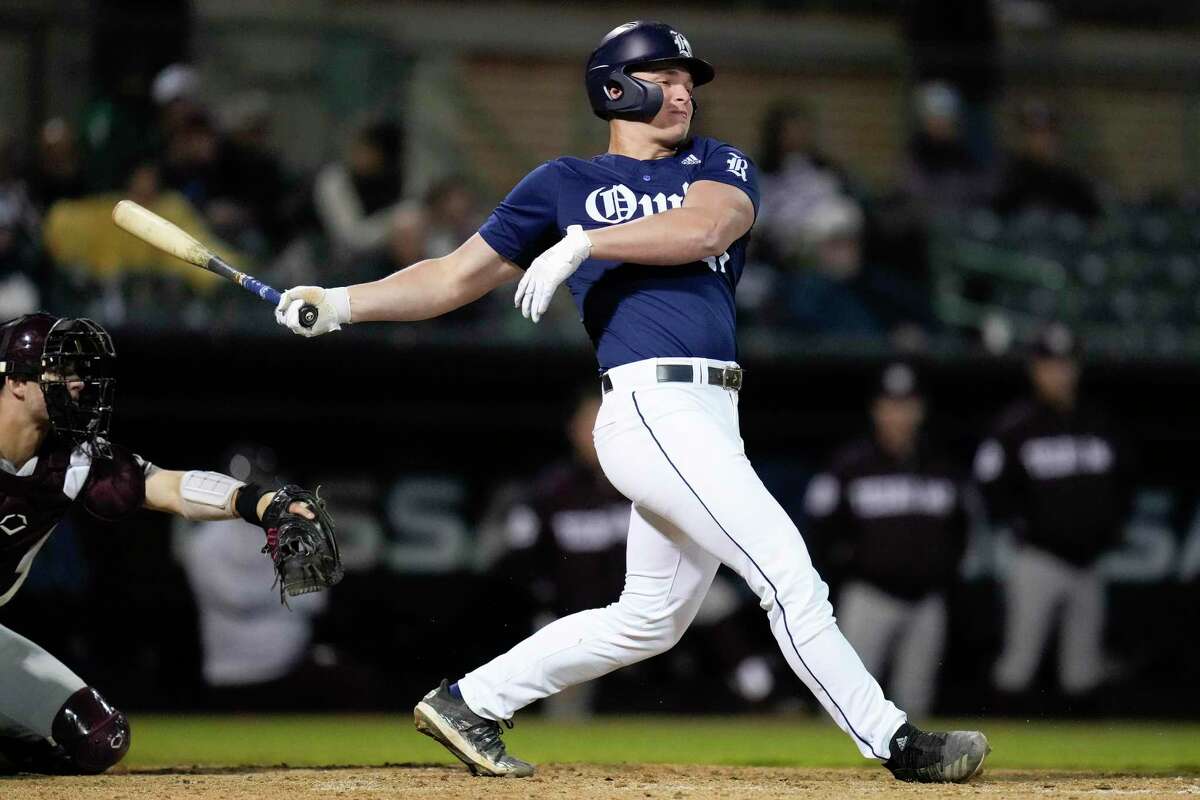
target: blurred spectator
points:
(1037, 177)
(258, 652)
(92, 256)
(356, 198)
(564, 538)
(1055, 474)
(834, 293)
(959, 44)
(447, 216)
(19, 234)
(121, 125)
(176, 95)
(942, 175)
(57, 171)
(890, 514)
(796, 178)
(189, 164)
(249, 203)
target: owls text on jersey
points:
(633, 311)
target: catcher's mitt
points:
(304, 550)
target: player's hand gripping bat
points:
(170, 238)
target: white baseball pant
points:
(674, 449)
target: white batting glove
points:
(333, 309)
(549, 270)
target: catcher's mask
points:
(60, 354)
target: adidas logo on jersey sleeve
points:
(690, 161)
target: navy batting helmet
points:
(632, 46)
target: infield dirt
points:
(578, 781)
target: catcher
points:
(56, 390)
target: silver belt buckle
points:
(731, 378)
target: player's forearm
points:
(433, 287)
(165, 492)
(678, 236)
(424, 290)
(204, 496)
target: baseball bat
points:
(170, 238)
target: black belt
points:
(725, 377)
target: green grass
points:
(160, 741)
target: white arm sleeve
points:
(208, 495)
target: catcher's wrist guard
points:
(246, 504)
(304, 550)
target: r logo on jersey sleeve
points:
(726, 165)
(738, 166)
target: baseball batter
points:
(650, 239)
(55, 405)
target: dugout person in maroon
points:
(1054, 473)
(566, 531)
(890, 511)
(56, 394)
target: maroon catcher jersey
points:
(37, 497)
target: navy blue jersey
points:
(633, 311)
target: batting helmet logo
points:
(685, 48)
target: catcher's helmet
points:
(22, 343)
(57, 353)
(632, 46)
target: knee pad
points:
(92, 734)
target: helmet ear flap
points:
(639, 100)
